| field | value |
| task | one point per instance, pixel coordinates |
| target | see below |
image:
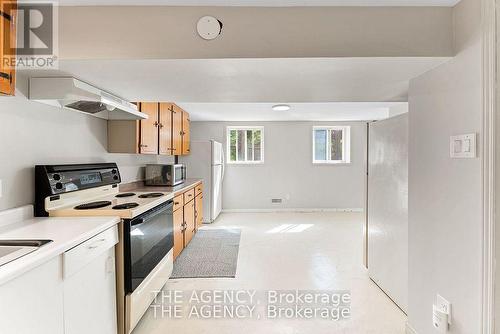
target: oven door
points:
(148, 238)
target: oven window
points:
(151, 238)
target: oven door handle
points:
(138, 221)
(165, 207)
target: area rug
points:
(211, 253)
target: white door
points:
(388, 207)
(216, 198)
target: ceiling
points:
(263, 3)
(291, 80)
(298, 112)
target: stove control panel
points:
(52, 180)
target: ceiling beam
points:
(161, 32)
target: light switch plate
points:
(463, 146)
(444, 306)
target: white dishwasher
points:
(90, 285)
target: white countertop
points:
(66, 233)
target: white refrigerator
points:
(206, 161)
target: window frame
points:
(346, 145)
(228, 145)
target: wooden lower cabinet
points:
(178, 231)
(187, 218)
(198, 203)
(189, 223)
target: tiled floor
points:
(282, 251)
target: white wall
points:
(288, 169)
(32, 133)
(445, 214)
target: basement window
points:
(245, 145)
(331, 144)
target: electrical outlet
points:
(444, 306)
(276, 200)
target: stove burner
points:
(151, 195)
(125, 206)
(125, 195)
(92, 205)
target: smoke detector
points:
(209, 27)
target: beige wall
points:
(149, 32)
(288, 172)
(33, 133)
(445, 195)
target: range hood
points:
(74, 94)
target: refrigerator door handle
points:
(223, 160)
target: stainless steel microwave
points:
(165, 175)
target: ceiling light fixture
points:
(281, 107)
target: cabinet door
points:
(90, 293)
(33, 302)
(199, 210)
(178, 231)
(165, 126)
(186, 140)
(149, 128)
(176, 130)
(189, 222)
(7, 48)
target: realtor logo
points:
(35, 45)
(35, 29)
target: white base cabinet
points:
(74, 293)
(33, 302)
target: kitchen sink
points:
(11, 250)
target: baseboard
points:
(409, 329)
(302, 210)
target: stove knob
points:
(113, 171)
(59, 185)
(56, 177)
(115, 177)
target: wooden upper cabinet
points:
(176, 130)
(165, 129)
(149, 128)
(7, 47)
(186, 135)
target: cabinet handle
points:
(7, 76)
(156, 124)
(96, 244)
(5, 15)
(143, 145)
(176, 203)
(160, 125)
